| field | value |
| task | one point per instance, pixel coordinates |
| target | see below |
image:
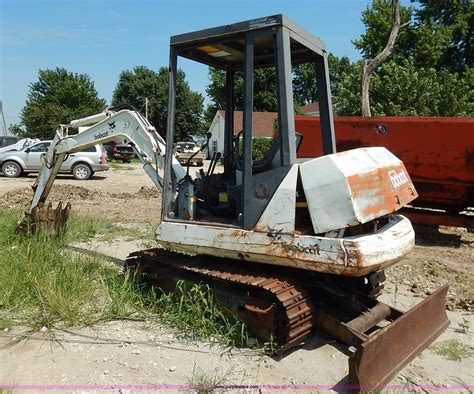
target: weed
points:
(203, 383)
(120, 166)
(464, 326)
(5, 323)
(271, 346)
(82, 229)
(197, 310)
(434, 270)
(45, 284)
(453, 349)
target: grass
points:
(82, 228)
(45, 284)
(120, 166)
(203, 382)
(453, 349)
(464, 326)
(194, 309)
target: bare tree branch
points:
(369, 67)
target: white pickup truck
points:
(185, 150)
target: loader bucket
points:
(385, 353)
(46, 219)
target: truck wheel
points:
(11, 169)
(81, 171)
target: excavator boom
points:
(124, 125)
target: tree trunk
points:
(369, 67)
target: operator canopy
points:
(224, 46)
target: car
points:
(8, 140)
(123, 152)
(82, 165)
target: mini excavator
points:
(288, 244)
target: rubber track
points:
(293, 305)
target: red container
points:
(437, 152)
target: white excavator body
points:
(287, 245)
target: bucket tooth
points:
(47, 219)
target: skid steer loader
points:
(287, 244)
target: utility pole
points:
(146, 108)
(4, 125)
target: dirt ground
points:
(130, 353)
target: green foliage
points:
(45, 284)
(264, 99)
(304, 78)
(133, 87)
(203, 382)
(260, 146)
(402, 89)
(58, 96)
(451, 22)
(377, 19)
(464, 326)
(440, 34)
(453, 349)
(15, 129)
(195, 309)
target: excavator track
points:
(271, 305)
(286, 306)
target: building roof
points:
(310, 109)
(262, 122)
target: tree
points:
(404, 89)
(304, 79)
(265, 89)
(440, 35)
(265, 98)
(368, 67)
(436, 48)
(378, 22)
(58, 96)
(133, 87)
(451, 23)
(15, 129)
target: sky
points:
(101, 38)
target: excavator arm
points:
(108, 126)
(124, 125)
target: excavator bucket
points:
(45, 219)
(382, 355)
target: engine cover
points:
(354, 187)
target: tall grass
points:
(45, 284)
(195, 309)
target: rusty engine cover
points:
(354, 187)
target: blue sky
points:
(102, 38)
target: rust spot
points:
(382, 191)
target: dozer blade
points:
(45, 219)
(380, 357)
